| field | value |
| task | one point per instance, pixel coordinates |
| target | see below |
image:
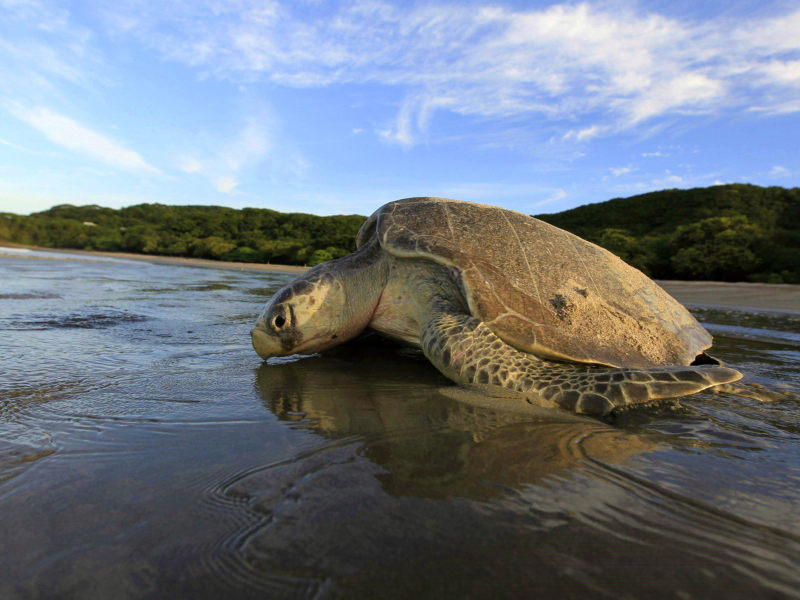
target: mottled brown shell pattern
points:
(541, 289)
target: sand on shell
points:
(782, 298)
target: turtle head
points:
(307, 316)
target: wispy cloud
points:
(492, 192)
(779, 171)
(669, 179)
(190, 165)
(537, 85)
(40, 44)
(559, 195)
(257, 144)
(562, 62)
(400, 132)
(225, 184)
(251, 145)
(18, 147)
(412, 120)
(78, 138)
(583, 135)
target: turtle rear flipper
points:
(469, 353)
(594, 391)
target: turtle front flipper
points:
(466, 351)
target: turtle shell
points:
(541, 289)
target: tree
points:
(630, 249)
(319, 256)
(212, 247)
(718, 248)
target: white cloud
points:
(563, 63)
(256, 144)
(17, 146)
(559, 195)
(582, 135)
(80, 139)
(783, 72)
(191, 165)
(655, 154)
(620, 171)
(777, 108)
(251, 145)
(779, 171)
(400, 131)
(225, 184)
(412, 120)
(669, 179)
(41, 45)
(684, 92)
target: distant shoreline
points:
(164, 260)
(782, 298)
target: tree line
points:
(212, 232)
(731, 232)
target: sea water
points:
(147, 452)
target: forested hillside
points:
(724, 233)
(215, 232)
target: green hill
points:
(215, 232)
(724, 233)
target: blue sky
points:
(338, 107)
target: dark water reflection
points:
(152, 454)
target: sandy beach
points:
(744, 296)
(709, 294)
(159, 260)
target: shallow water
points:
(146, 451)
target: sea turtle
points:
(502, 302)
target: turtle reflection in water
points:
(501, 303)
(479, 451)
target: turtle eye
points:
(279, 321)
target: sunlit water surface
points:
(146, 451)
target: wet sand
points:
(747, 296)
(147, 452)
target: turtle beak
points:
(265, 345)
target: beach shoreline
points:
(159, 260)
(770, 297)
(783, 298)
